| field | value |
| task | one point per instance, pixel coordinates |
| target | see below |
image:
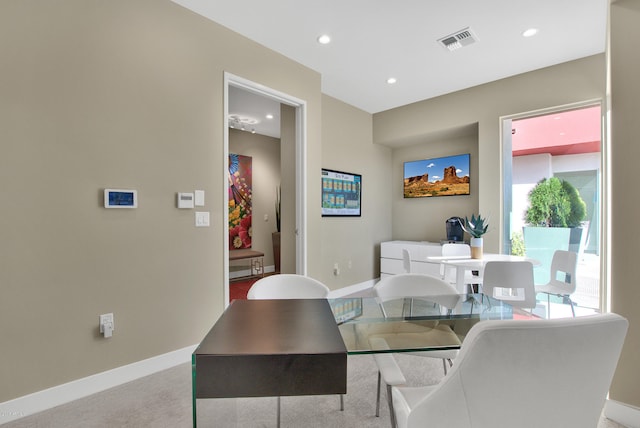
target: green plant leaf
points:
(475, 227)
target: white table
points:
(463, 264)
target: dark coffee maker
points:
(455, 233)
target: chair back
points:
(563, 270)
(288, 286)
(511, 282)
(411, 285)
(406, 260)
(453, 250)
(416, 286)
(456, 250)
(526, 373)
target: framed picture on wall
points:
(341, 193)
(445, 176)
(240, 206)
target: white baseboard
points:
(341, 292)
(622, 413)
(65, 393)
(247, 273)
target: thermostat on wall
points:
(185, 200)
(119, 198)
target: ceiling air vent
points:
(458, 39)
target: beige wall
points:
(625, 204)
(423, 219)
(129, 95)
(483, 105)
(265, 160)
(353, 242)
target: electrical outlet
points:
(336, 269)
(106, 319)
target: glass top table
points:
(300, 346)
(412, 324)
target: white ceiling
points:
(373, 40)
(254, 108)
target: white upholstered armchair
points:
(524, 373)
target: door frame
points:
(301, 173)
(505, 148)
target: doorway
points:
(565, 143)
(297, 224)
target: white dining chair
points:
(525, 373)
(511, 282)
(449, 272)
(411, 286)
(289, 286)
(562, 282)
(388, 372)
(406, 261)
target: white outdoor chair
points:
(449, 272)
(511, 282)
(410, 286)
(562, 282)
(289, 286)
(525, 373)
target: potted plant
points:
(476, 227)
(275, 236)
(553, 221)
(555, 203)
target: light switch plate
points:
(202, 218)
(199, 198)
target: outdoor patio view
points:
(556, 172)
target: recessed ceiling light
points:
(391, 80)
(530, 32)
(324, 39)
(269, 116)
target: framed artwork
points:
(341, 194)
(239, 201)
(445, 176)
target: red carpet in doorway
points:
(239, 289)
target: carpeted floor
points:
(239, 289)
(163, 400)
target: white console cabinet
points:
(391, 257)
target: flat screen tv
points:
(445, 176)
(341, 193)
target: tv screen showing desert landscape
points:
(445, 176)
